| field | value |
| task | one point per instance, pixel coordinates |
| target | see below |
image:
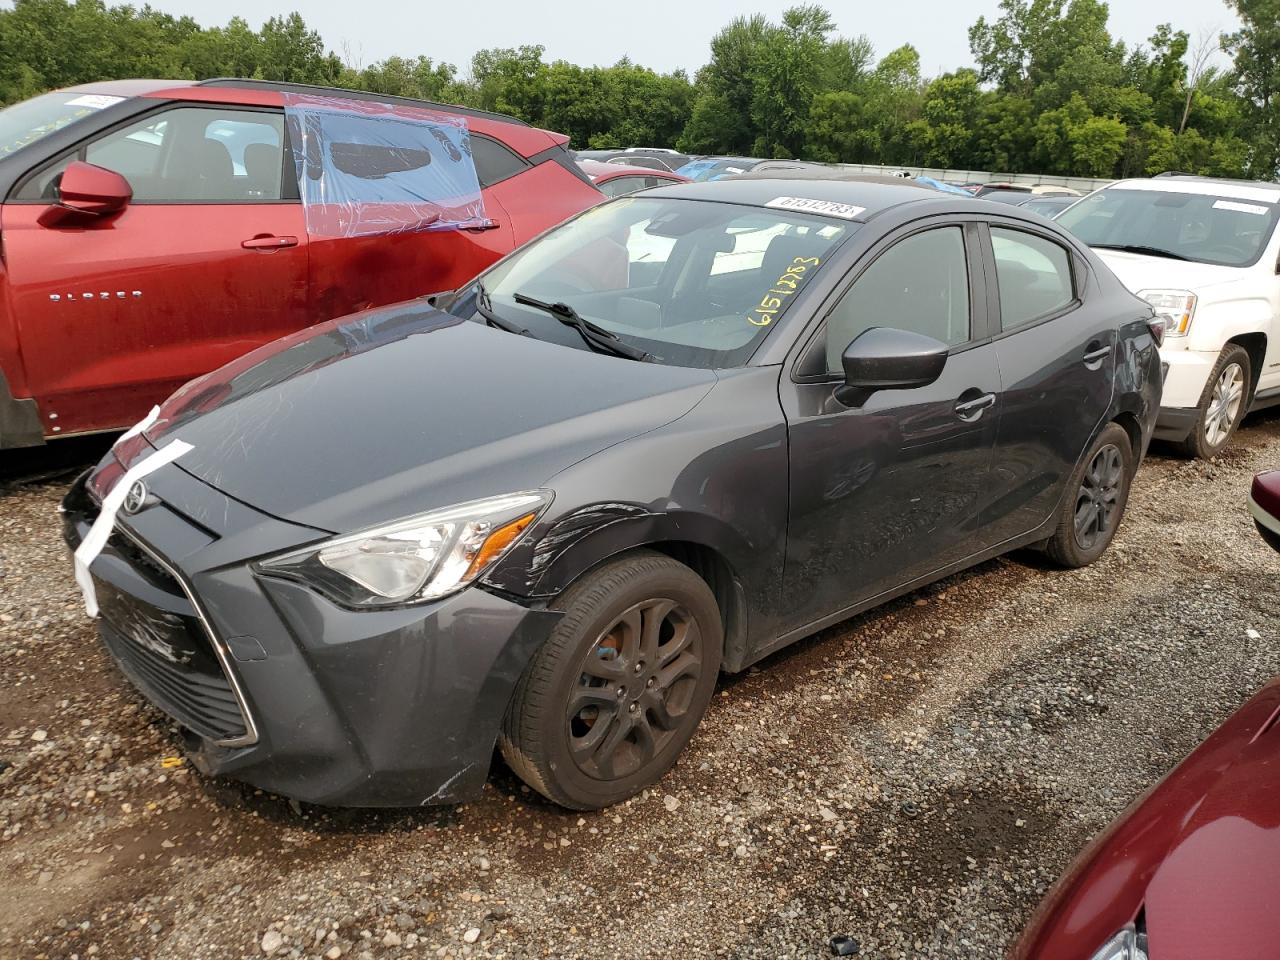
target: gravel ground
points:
(914, 778)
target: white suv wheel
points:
(1224, 405)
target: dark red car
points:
(1264, 504)
(616, 180)
(153, 230)
(1190, 871)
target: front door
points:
(208, 261)
(1057, 370)
(890, 491)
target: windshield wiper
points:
(1140, 248)
(595, 336)
(484, 308)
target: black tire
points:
(1094, 504)
(1207, 437)
(612, 618)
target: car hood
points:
(1199, 852)
(1213, 895)
(1139, 272)
(404, 409)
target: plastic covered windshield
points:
(367, 168)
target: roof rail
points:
(1177, 173)
(241, 83)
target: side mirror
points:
(87, 193)
(883, 358)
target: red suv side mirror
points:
(87, 193)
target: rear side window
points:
(621, 186)
(494, 162)
(1034, 275)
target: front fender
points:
(1216, 323)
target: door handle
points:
(1095, 354)
(972, 409)
(482, 226)
(269, 242)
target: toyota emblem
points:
(136, 498)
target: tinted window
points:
(493, 161)
(1230, 231)
(919, 284)
(621, 186)
(1034, 276)
(188, 155)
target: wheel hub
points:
(1098, 499)
(635, 688)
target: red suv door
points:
(207, 261)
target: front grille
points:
(154, 632)
(202, 702)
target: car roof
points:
(601, 172)
(1207, 186)
(144, 87)
(874, 198)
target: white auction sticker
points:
(96, 538)
(830, 208)
(94, 101)
(1253, 208)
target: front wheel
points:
(1095, 501)
(1222, 405)
(609, 701)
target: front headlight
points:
(1177, 307)
(416, 559)
(1128, 944)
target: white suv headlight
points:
(416, 559)
(1177, 307)
(1128, 944)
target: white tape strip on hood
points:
(97, 536)
(138, 427)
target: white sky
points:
(662, 34)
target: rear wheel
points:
(610, 700)
(1098, 492)
(1222, 405)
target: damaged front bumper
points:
(283, 689)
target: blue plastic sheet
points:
(367, 168)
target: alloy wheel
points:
(1224, 405)
(1098, 499)
(636, 686)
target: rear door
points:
(1057, 371)
(891, 491)
(207, 261)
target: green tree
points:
(1256, 50)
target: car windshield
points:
(1208, 228)
(24, 123)
(689, 282)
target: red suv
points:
(153, 230)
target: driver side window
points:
(919, 284)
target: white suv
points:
(1205, 254)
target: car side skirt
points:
(1039, 535)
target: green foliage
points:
(1052, 92)
(1256, 48)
